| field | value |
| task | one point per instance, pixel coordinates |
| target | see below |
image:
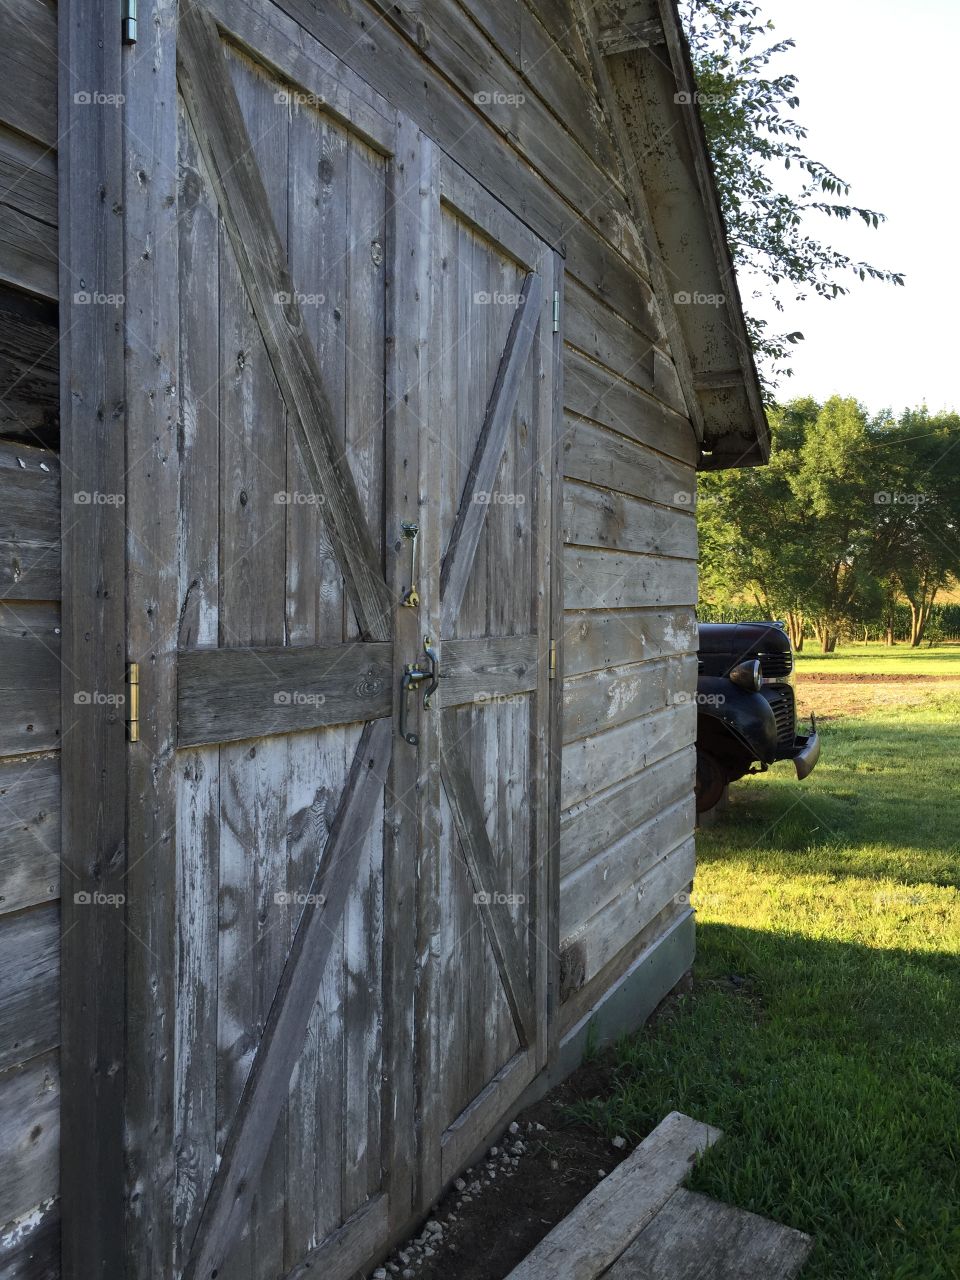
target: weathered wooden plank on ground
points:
(696, 1238)
(606, 1221)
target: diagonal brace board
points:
(462, 548)
(267, 1086)
(217, 119)
(472, 830)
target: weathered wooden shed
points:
(341, 346)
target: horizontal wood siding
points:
(29, 643)
(630, 639)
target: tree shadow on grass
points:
(832, 1068)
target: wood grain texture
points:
(598, 579)
(29, 523)
(605, 519)
(29, 369)
(595, 392)
(29, 831)
(488, 669)
(222, 133)
(93, 405)
(151, 517)
(29, 983)
(609, 460)
(592, 764)
(626, 803)
(30, 693)
(695, 1238)
(28, 70)
(230, 694)
(602, 699)
(597, 880)
(606, 1221)
(600, 938)
(28, 253)
(265, 1090)
(602, 639)
(29, 1122)
(28, 177)
(480, 483)
(490, 892)
(30, 1245)
(407, 76)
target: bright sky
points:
(879, 94)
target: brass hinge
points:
(556, 311)
(553, 659)
(128, 21)
(133, 701)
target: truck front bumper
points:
(806, 751)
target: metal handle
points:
(412, 678)
(433, 657)
(411, 597)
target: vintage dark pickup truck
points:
(746, 711)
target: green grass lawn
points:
(823, 1031)
(875, 658)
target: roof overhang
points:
(647, 64)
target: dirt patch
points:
(486, 1225)
(869, 677)
(835, 698)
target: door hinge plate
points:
(553, 659)
(128, 21)
(133, 701)
(556, 311)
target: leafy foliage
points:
(851, 514)
(747, 112)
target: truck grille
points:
(776, 666)
(784, 712)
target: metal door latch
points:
(413, 677)
(411, 597)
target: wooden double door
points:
(368, 381)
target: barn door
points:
(305, 211)
(496, 442)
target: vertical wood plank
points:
(318, 266)
(550, 942)
(198, 799)
(195, 1065)
(413, 208)
(94, 756)
(151, 253)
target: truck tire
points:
(711, 780)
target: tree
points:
(748, 119)
(850, 514)
(919, 502)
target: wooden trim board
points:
(611, 1217)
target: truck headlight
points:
(746, 675)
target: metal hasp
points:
(413, 677)
(411, 597)
(128, 21)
